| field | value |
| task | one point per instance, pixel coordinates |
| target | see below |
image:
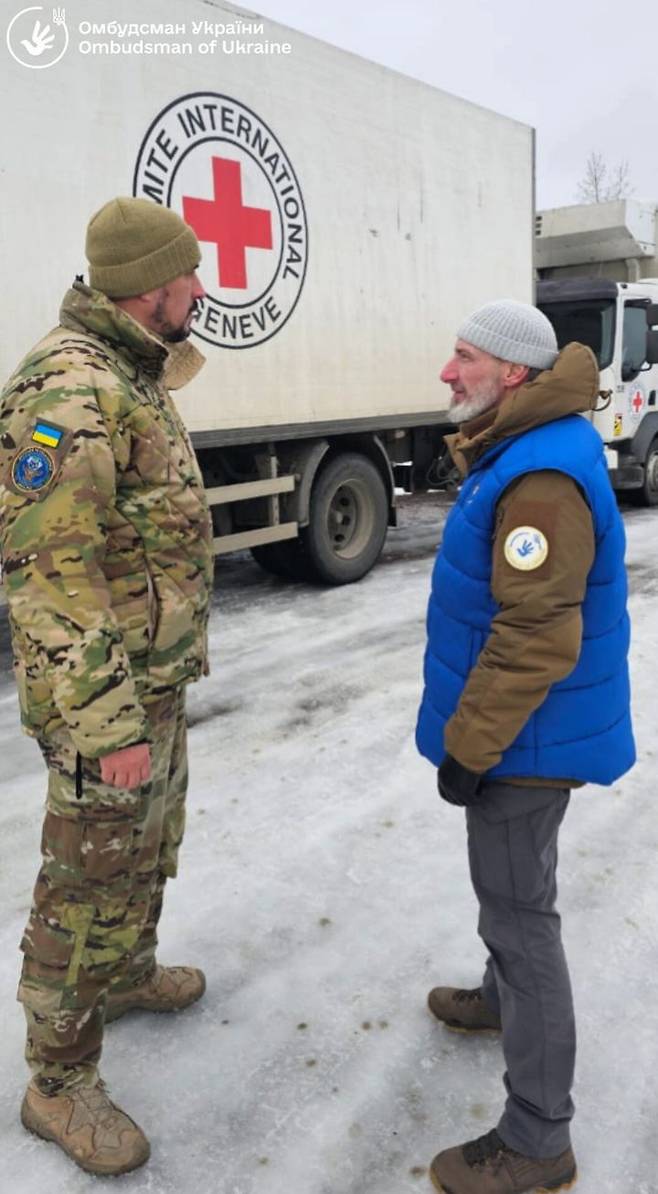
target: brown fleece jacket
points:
(535, 638)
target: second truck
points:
(598, 270)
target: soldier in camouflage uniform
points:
(107, 553)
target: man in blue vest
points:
(526, 697)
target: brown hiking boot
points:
(167, 989)
(489, 1166)
(88, 1127)
(462, 1011)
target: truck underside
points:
(316, 506)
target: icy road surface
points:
(324, 889)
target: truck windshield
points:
(590, 321)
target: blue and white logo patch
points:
(526, 548)
(32, 470)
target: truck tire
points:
(286, 559)
(348, 517)
(647, 494)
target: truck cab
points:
(591, 260)
(615, 320)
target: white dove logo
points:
(34, 41)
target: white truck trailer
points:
(598, 265)
(349, 218)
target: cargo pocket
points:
(61, 848)
(49, 960)
(47, 942)
(108, 851)
(79, 851)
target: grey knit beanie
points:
(514, 332)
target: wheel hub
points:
(350, 518)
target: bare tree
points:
(620, 185)
(600, 186)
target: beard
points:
(174, 335)
(481, 399)
(169, 332)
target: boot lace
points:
(474, 996)
(97, 1100)
(487, 1148)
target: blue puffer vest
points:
(582, 731)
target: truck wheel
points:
(348, 518)
(647, 494)
(286, 559)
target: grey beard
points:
(480, 401)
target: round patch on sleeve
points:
(526, 548)
(32, 469)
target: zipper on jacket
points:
(78, 776)
(153, 605)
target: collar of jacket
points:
(87, 310)
(570, 387)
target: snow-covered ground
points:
(324, 889)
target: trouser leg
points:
(168, 727)
(513, 856)
(490, 987)
(84, 924)
(101, 860)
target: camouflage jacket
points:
(104, 527)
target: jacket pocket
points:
(34, 695)
(131, 596)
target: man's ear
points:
(149, 298)
(514, 375)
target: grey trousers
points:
(512, 845)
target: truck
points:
(349, 219)
(598, 283)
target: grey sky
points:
(582, 72)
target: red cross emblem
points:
(638, 401)
(225, 221)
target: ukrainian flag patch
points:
(45, 433)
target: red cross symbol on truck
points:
(225, 221)
(638, 401)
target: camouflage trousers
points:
(107, 853)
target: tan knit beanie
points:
(134, 245)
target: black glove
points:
(457, 784)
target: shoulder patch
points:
(46, 433)
(38, 459)
(526, 548)
(32, 469)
